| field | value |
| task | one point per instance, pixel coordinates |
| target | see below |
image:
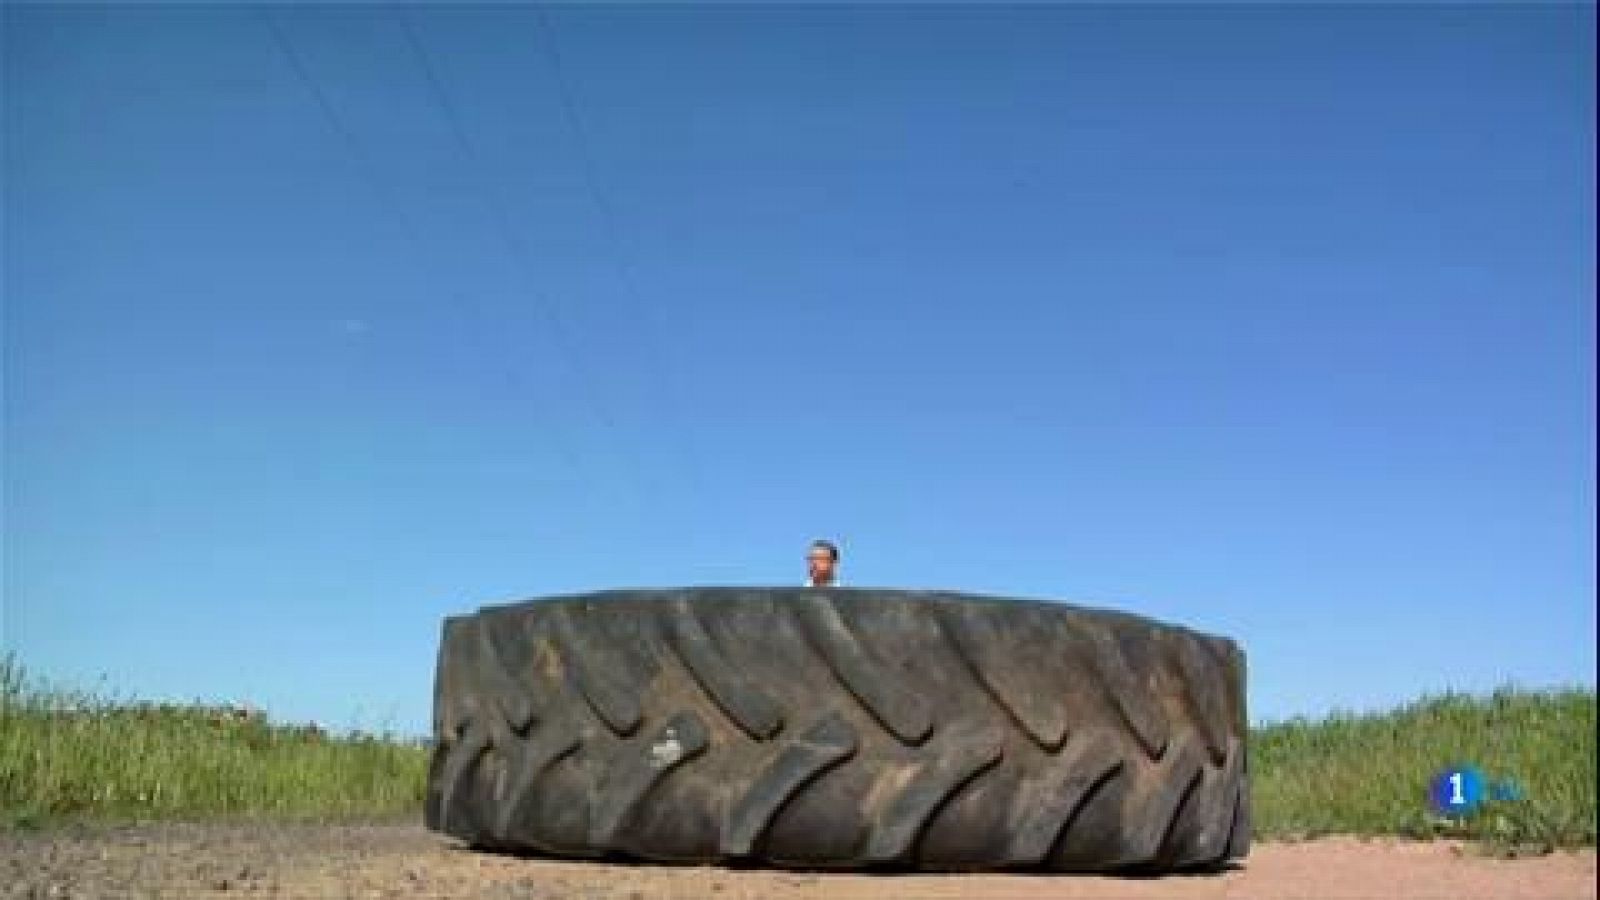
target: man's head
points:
(821, 561)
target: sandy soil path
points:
(405, 861)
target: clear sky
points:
(1272, 320)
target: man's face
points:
(820, 563)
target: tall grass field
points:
(1370, 774)
(68, 755)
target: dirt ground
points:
(405, 861)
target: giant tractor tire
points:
(840, 729)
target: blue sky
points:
(1275, 321)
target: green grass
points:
(66, 755)
(1369, 774)
(71, 755)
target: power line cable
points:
(505, 226)
(387, 201)
(331, 115)
(665, 374)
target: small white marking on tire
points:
(666, 753)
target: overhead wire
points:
(388, 202)
(505, 227)
(665, 377)
(331, 115)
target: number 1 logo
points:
(1456, 791)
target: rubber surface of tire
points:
(844, 728)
